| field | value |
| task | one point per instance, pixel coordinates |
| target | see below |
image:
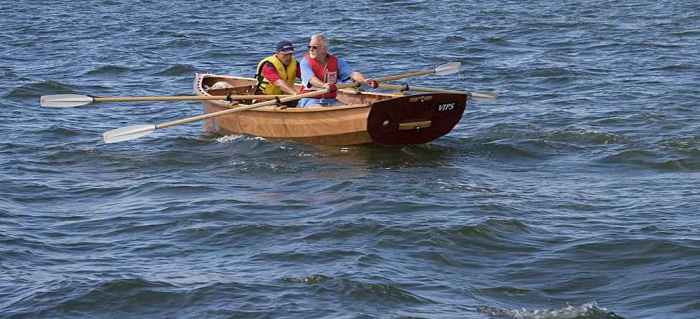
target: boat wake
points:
(238, 137)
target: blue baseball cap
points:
(285, 47)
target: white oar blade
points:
(128, 133)
(483, 95)
(65, 100)
(448, 68)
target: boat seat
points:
(234, 90)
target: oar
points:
(74, 100)
(136, 131)
(406, 87)
(444, 69)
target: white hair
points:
(320, 37)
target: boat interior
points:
(225, 85)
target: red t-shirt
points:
(270, 73)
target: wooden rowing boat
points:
(389, 119)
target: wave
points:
(317, 257)
(491, 227)
(651, 159)
(106, 70)
(510, 150)
(585, 311)
(235, 138)
(687, 33)
(7, 73)
(213, 235)
(688, 145)
(84, 298)
(509, 142)
(548, 72)
(633, 251)
(571, 135)
(675, 67)
(455, 39)
(61, 131)
(497, 40)
(138, 297)
(36, 89)
(492, 234)
(178, 70)
(379, 291)
(582, 136)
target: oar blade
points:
(65, 100)
(128, 133)
(448, 68)
(483, 95)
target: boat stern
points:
(415, 119)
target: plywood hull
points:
(397, 120)
(345, 126)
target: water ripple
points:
(576, 184)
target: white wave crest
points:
(236, 137)
(584, 311)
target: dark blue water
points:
(573, 195)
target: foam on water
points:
(584, 311)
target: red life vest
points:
(327, 73)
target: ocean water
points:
(573, 195)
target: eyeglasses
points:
(313, 47)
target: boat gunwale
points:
(199, 78)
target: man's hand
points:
(372, 83)
(331, 87)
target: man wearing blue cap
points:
(276, 74)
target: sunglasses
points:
(313, 47)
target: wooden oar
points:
(136, 131)
(444, 69)
(406, 87)
(74, 100)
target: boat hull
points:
(388, 119)
(345, 126)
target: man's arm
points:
(271, 75)
(286, 88)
